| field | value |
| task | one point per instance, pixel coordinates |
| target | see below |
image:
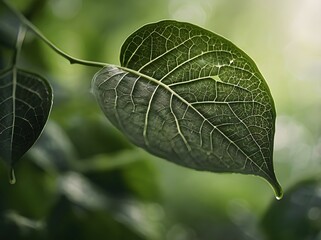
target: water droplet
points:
(277, 190)
(278, 197)
(12, 177)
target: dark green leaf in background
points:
(297, 216)
(192, 97)
(25, 103)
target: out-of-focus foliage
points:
(298, 216)
(83, 178)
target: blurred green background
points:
(84, 180)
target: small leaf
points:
(25, 103)
(192, 97)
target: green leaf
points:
(25, 103)
(192, 97)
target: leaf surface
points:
(25, 103)
(192, 97)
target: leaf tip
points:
(279, 194)
(278, 191)
(12, 177)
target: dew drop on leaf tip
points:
(12, 177)
(278, 192)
